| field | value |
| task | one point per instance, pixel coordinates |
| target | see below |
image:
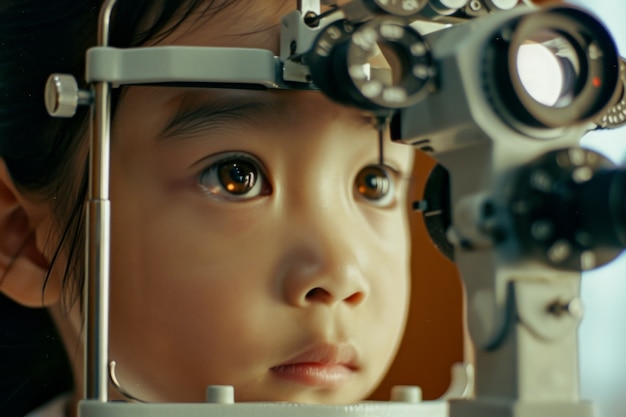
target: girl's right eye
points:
(234, 176)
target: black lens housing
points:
(615, 116)
(340, 47)
(598, 74)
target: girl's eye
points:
(375, 184)
(234, 177)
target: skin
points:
(296, 291)
(310, 263)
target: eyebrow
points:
(199, 113)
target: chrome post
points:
(98, 238)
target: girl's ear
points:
(23, 267)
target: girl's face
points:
(251, 246)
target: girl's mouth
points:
(324, 366)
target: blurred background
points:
(603, 330)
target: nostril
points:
(318, 294)
(321, 295)
(355, 298)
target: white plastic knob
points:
(502, 4)
(220, 394)
(406, 394)
(448, 5)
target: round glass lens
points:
(382, 63)
(549, 69)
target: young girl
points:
(256, 240)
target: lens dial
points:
(402, 8)
(569, 209)
(380, 65)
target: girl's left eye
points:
(234, 177)
(376, 185)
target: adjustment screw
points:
(406, 394)
(420, 205)
(312, 19)
(475, 5)
(63, 97)
(573, 308)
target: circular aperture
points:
(383, 68)
(389, 64)
(549, 69)
(377, 66)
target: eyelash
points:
(233, 176)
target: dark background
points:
(33, 364)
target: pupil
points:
(372, 183)
(237, 177)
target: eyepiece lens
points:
(549, 69)
(389, 64)
(382, 68)
(381, 65)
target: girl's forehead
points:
(171, 110)
(228, 23)
(242, 23)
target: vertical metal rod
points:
(98, 252)
(382, 123)
(98, 238)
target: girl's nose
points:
(316, 279)
(325, 257)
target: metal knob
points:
(63, 97)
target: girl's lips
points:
(314, 374)
(324, 366)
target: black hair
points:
(46, 157)
(43, 154)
